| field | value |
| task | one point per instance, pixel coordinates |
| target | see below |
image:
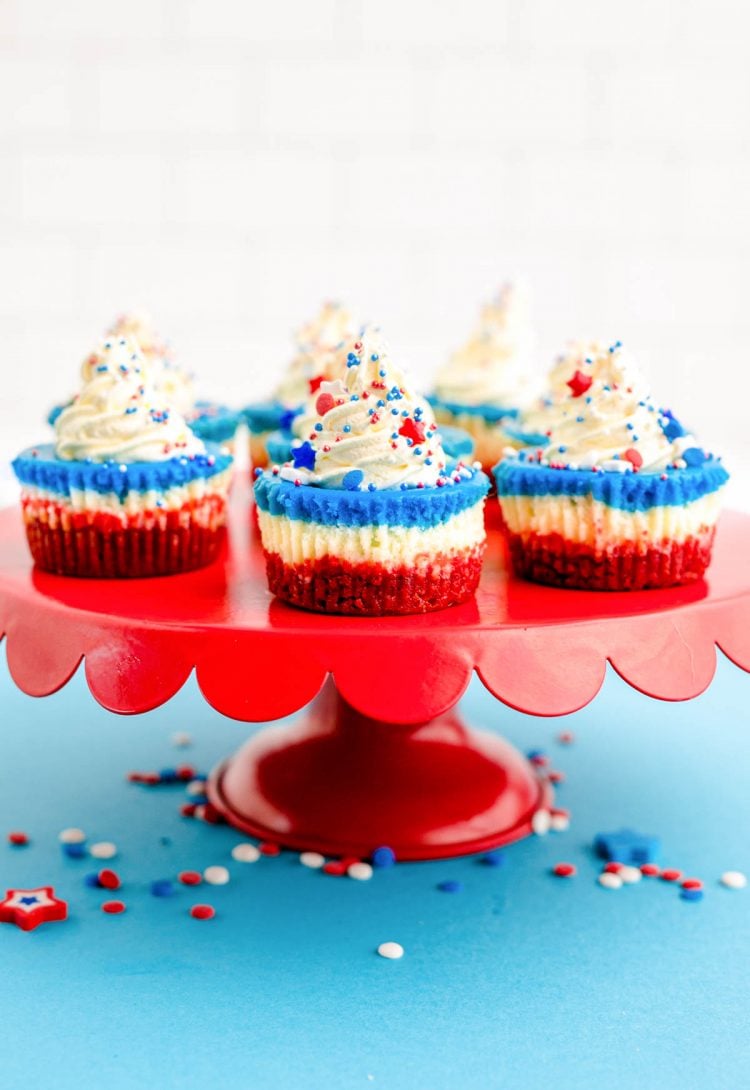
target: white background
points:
(229, 164)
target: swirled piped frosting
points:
(169, 378)
(492, 368)
(318, 343)
(118, 415)
(372, 431)
(575, 355)
(607, 419)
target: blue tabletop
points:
(520, 980)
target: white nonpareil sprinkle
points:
(71, 836)
(216, 876)
(541, 822)
(360, 871)
(105, 849)
(733, 879)
(391, 950)
(196, 787)
(181, 739)
(629, 875)
(610, 881)
(245, 853)
(312, 859)
(559, 823)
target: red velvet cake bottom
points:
(102, 547)
(330, 585)
(551, 559)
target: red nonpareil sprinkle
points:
(268, 848)
(190, 877)
(692, 883)
(109, 879)
(185, 772)
(612, 867)
(203, 912)
(564, 870)
(671, 875)
(17, 839)
(113, 907)
(650, 870)
(555, 777)
(566, 737)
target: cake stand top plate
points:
(538, 649)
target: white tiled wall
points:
(229, 163)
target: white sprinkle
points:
(629, 875)
(541, 822)
(216, 876)
(181, 739)
(559, 823)
(105, 849)
(245, 853)
(391, 950)
(312, 859)
(361, 871)
(733, 879)
(196, 787)
(71, 836)
(609, 880)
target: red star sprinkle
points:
(314, 383)
(410, 429)
(27, 908)
(324, 404)
(632, 456)
(579, 383)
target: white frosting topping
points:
(318, 344)
(573, 357)
(118, 415)
(607, 419)
(493, 366)
(173, 382)
(371, 422)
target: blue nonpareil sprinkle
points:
(450, 885)
(493, 859)
(162, 887)
(92, 881)
(383, 856)
(691, 894)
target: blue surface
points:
(520, 980)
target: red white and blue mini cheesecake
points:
(126, 489)
(619, 497)
(368, 518)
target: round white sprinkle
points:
(196, 787)
(216, 876)
(559, 823)
(245, 853)
(541, 822)
(103, 850)
(312, 859)
(610, 881)
(629, 875)
(361, 871)
(733, 879)
(392, 950)
(181, 739)
(71, 836)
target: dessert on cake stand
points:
(381, 756)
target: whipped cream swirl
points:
(318, 344)
(118, 415)
(372, 430)
(493, 366)
(171, 381)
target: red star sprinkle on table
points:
(27, 908)
(579, 383)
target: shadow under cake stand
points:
(381, 756)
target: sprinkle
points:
(692, 883)
(92, 881)
(314, 860)
(109, 879)
(559, 821)
(303, 456)
(361, 872)
(203, 912)
(190, 877)
(113, 908)
(541, 822)
(353, 479)
(391, 950)
(564, 870)
(691, 894)
(566, 738)
(609, 881)
(216, 876)
(74, 851)
(268, 848)
(336, 868)
(383, 856)
(613, 867)
(634, 457)
(630, 875)
(650, 870)
(627, 847)
(104, 849)
(196, 788)
(493, 859)
(181, 739)
(162, 887)
(245, 853)
(324, 404)
(733, 879)
(18, 840)
(450, 885)
(671, 875)
(579, 383)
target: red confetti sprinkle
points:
(203, 912)
(188, 809)
(113, 907)
(633, 456)
(671, 875)
(315, 383)
(211, 814)
(190, 877)
(185, 772)
(18, 840)
(267, 848)
(336, 868)
(324, 404)
(579, 383)
(650, 870)
(613, 867)
(555, 777)
(692, 883)
(109, 879)
(564, 870)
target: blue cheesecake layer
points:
(214, 423)
(457, 443)
(60, 476)
(491, 413)
(626, 491)
(528, 438)
(279, 447)
(269, 416)
(420, 507)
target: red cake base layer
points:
(103, 547)
(330, 585)
(551, 559)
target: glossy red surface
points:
(540, 649)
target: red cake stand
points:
(381, 757)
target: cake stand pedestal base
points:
(343, 784)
